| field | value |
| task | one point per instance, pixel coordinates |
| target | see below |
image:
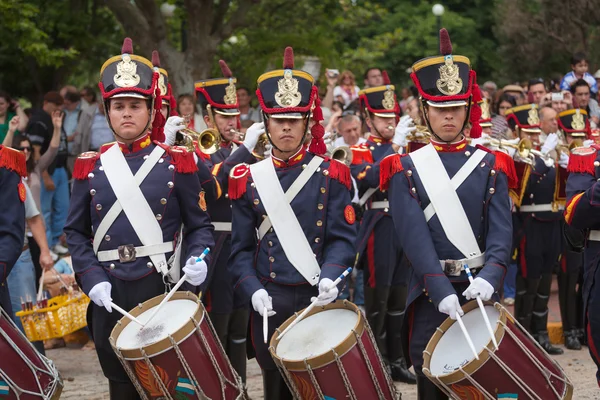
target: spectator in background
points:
(597, 77)
(72, 113)
(373, 77)
(8, 109)
(247, 112)
(404, 94)
(500, 128)
(579, 70)
(489, 90)
(582, 99)
(413, 110)
(559, 102)
(516, 92)
(350, 129)
(186, 108)
(55, 188)
(346, 92)
(88, 98)
(93, 130)
(536, 89)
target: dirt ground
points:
(83, 378)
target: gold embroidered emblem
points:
(449, 82)
(230, 94)
(533, 118)
(388, 99)
(202, 200)
(161, 84)
(287, 94)
(126, 75)
(578, 123)
(485, 110)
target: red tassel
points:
(84, 164)
(172, 103)
(340, 172)
(475, 109)
(13, 160)
(157, 134)
(583, 163)
(361, 155)
(388, 167)
(317, 144)
(506, 164)
(181, 158)
(238, 181)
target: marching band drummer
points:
(380, 256)
(442, 228)
(303, 245)
(128, 204)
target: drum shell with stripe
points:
(344, 369)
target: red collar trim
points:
(455, 147)
(375, 139)
(136, 146)
(293, 160)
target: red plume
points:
(225, 69)
(127, 46)
(386, 78)
(317, 144)
(155, 59)
(288, 58)
(475, 109)
(445, 43)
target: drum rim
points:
(472, 366)
(162, 345)
(328, 356)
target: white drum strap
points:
(367, 195)
(280, 212)
(132, 200)
(292, 191)
(445, 201)
(459, 177)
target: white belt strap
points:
(141, 251)
(594, 236)
(222, 226)
(541, 208)
(367, 195)
(445, 201)
(134, 204)
(458, 179)
(280, 212)
(378, 205)
(293, 190)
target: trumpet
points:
(421, 134)
(524, 147)
(342, 153)
(208, 139)
(261, 145)
(567, 148)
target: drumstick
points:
(313, 304)
(482, 308)
(126, 314)
(265, 324)
(467, 336)
(175, 288)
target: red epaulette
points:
(506, 164)
(388, 167)
(238, 181)
(85, 164)
(340, 172)
(582, 160)
(200, 154)
(361, 154)
(181, 158)
(13, 160)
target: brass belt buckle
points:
(126, 253)
(452, 267)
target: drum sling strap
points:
(445, 201)
(281, 215)
(132, 202)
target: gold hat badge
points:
(449, 82)
(230, 93)
(485, 110)
(388, 99)
(532, 117)
(161, 85)
(126, 75)
(287, 94)
(578, 123)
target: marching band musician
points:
(380, 255)
(540, 235)
(303, 244)
(12, 217)
(449, 203)
(128, 204)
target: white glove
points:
(588, 143)
(253, 134)
(195, 270)
(174, 124)
(404, 127)
(480, 287)
(564, 160)
(100, 295)
(260, 300)
(550, 143)
(327, 292)
(450, 305)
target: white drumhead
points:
(171, 317)
(453, 351)
(316, 334)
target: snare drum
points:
(331, 353)
(519, 367)
(24, 373)
(177, 355)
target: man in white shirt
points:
(350, 131)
